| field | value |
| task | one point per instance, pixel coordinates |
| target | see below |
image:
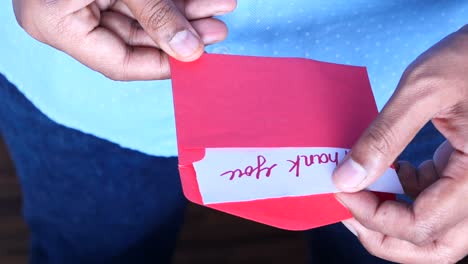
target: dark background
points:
(207, 236)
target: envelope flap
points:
(237, 101)
(225, 101)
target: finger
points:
(379, 216)
(394, 249)
(415, 181)
(399, 121)
(436, 209)
(66, 7)
(211, 30)
(168, 28)
(105, 52)
(122, 8)
(426, 175)
(408, 178)
(442, 156)
(388, 135)
(129, 30)
(196, 9)
(41, 14)
(380, 144)
(192, 9)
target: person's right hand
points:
(126, 39)
(434, 228)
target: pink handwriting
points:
(312, 159)
(249, 170)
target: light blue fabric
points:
(384, 36)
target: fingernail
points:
(349, 227)
(349, 175)
(184, 43)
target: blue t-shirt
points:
(384, 36)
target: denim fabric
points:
(87, 200)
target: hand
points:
(434, 229)
(126, 39)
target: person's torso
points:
(384, 36)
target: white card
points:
(246, 174)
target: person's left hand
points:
(126, 40)
(433, 229)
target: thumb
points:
(385, 138)
(168, 27)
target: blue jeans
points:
(87, 200)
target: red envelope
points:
(224, 101)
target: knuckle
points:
(381, 137)
(20, 21)
(424, 233)
(464, 30)
(371, 247)
(383, 216)
(113, 75)
(133, 33)
(422, 78)
(163, 65)
(120, 71)
(31, 28)
(21, 15)
(18, 14)
(116, 73)
(372, 250)
(116, 70)
(36, 18)
(156, 15)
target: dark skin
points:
(434, 228)
(132, 39)
(126, 39)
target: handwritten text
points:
(250, 170)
